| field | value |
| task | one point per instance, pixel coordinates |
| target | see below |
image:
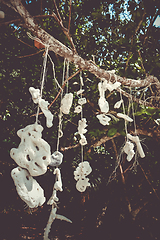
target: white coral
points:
(103, 104)
(78, 109)
(33, 153)
(36, 97)
(125, 117)
(118, 104)
(27, 188)
(110, 86)
(66, 103)
(128, 149)
(103, 119)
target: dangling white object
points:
(35, 93)
(33, 153)
(78, 109)
(2, 14)
(28, 189)
(103, 119)
(58, 183)
(82, 101)
(66, 103)
(80, 92)
(110, 86)
(83, 140)
(36, 97)
(118, 104)
(101, 89)
(56, 159)
(83, 170)
(82, 184)
(53, 199)
(82, 125)
(103, 104)
(137, 142)
(49, 116)
(128, 149)
(125, 117)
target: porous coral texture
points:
(33, 153)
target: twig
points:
(25, 43)
(31, 54)
(73, 75)
(132, 39)
(142, 62)
(128, 61)
(148, 181)
(69, 23)
(41, 8)
(139, 101)
(59, 16)
(19, 19)
(122, 176)
(70, 147)
(151, 23)
(60, 22)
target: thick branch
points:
(63, 51)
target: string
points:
(54, 74)
(43, 78)
(67, 74)
(63, 75)
(60, 132)
(125, 122)
(81, 84)
(134, 119)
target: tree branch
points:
(63, 51)
(69, 23)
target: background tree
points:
(97, 36)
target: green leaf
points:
(112, 132)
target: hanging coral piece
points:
(83, 170)
(103, 119)
(36, 97)
(103, 104)
(56, 159)
(28, 189)
(82, 125)
(82, 130)
(138, 144)
(78, 109)
(53, 201)
(52, 217)
(66, 103)
(125, 117)
(49, 116)
(118, 104)
(128, 149)
(58, 183)
(80, 92)
(82, 101)
(35, 94)
(111, 86)
(83, 140)
(33, 153)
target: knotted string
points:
(81, 84)
(43, 78)
(60, 132)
